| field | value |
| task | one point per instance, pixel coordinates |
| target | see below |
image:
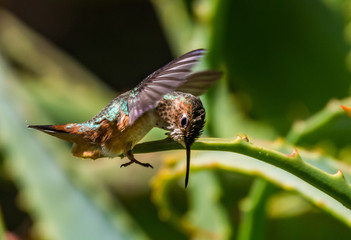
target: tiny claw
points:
(130, 156)
(126, 164)
(148, 165)
(137, 162)
(143, 164)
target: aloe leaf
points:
(320, 179)
(331, 123)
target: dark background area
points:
(102, 35)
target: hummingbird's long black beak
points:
(187, 163)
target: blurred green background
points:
(62, 61)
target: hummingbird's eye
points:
(184, 121)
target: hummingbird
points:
(167, 99)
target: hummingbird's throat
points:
(178, 136)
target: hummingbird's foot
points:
(137, 162)
(133, 160)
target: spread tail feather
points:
(67, 132)
(82, 145)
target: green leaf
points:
(330, 123)
(316, 177)
(253, 209)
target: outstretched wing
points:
(161, 82)
(197, 83)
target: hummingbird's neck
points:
(162, 111)
(166, 109)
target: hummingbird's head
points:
(188, 122)
(184, 116)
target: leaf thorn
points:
(339, 174)
(238, 138)
(294, 154)
(245, 138)
(347, 110)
